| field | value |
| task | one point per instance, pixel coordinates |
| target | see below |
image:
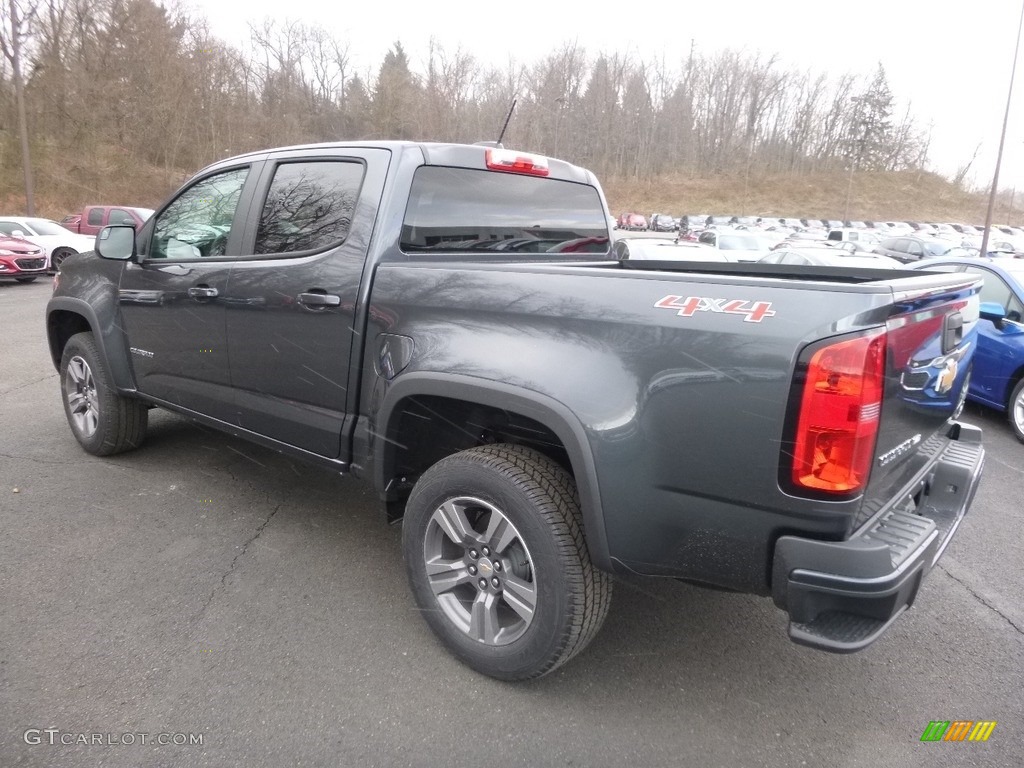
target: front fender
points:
(66, 314)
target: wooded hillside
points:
(120, 100)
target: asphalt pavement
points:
(205, 602)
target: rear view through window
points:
(485, 212)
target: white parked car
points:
(663, 249)
(829, 256)
(737, 244)
(55, 240)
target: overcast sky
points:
(951, 60)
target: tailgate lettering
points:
(902, 449)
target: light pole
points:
(1002, 138)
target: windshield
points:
(46, 227)
(739, 243)
(961, 253)
(937, 249)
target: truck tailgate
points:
(931, 339)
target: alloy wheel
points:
(480, 570)
(83, 401)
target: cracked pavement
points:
(204, 585)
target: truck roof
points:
(433, 153)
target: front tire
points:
(103, 422)
(497, 561)
(1015, 410)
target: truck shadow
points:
(675, 647)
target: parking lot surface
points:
(206, 602)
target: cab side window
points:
(197, 224)
(309, 206)
(95, 217)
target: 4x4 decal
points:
(754, 312)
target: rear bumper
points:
(842, 595)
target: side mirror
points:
(992, 310)
(17, 233)
(116, 242)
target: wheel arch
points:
(1012, 382)
(473, 394)
(66, 316)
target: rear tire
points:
(497, 561)
(103, 422)
(1015, 410)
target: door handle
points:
(317, 299)
(202, 292)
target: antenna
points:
(507, 118)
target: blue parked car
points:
(997, 379)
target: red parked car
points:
(632, 221)
(93, 218)
(21, 260)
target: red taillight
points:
(516, 162)
(839, 414)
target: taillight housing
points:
(516, 162)
(840, 406)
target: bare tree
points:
(17, 24)
(111, 85)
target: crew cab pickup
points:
(93, 218)
(447, 323)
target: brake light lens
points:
(516, 162)
(840, 407)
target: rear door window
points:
(95, 217)
(502, 215)
(309, 206)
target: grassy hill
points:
(904, 196)
(109, 176)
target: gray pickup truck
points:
(447, 323)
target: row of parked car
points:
(31, 246)
(661, 222)
(997, 374)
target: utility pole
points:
(1002, 138)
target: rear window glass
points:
(462, 210)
